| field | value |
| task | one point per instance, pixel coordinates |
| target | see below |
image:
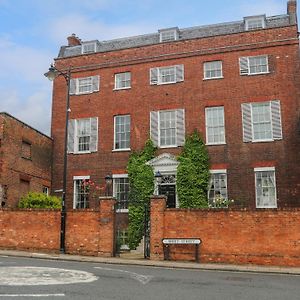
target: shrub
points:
(39, 200)
(141, 181)
(193, 173)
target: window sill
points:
(121, 89)
(204, 79)
(254, 74)
(81, 152)
(170, 146)
(262, 141)
(85, 93)
(122, 210)
(27, 158)
(121, 150)
(216, 144)
(266, 207)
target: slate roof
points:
(184, 34)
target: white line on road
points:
(32, 295)
(144, 279)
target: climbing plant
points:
(193, 173)
(141, 180)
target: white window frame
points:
(248, 59)
(159, 128)
(89, 84)
(75, 178)
(122, 80)
(257, 19)
(119, 176)
(115, 140)
(207, 127)
(265, 169)
(45, 190)
(168, 35)
(162, 69)
(270, 122)
(86, 46)
(76, 136)
(217, 171)
(206, 68)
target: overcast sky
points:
(32, 31)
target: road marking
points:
(20, 276)
(32, 295)
(144, 279)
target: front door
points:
(169, 190)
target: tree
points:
(193, 173)
(141, 181)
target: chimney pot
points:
(73, 40)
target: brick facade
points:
(263, 237)
(25, 160)
(194, 94)
(88, 232)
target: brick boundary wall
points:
(237, 236)
(88, 232)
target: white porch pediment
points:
(165, 163)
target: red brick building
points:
(25, 160)
(237, 83)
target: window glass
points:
(167, 128)
(122, 80)
(258, 64)
(81, 193)
(167, 75)
(217, 189)
(215, 127)
(85, 85)
(121, 191)
(261, 119)
(212, 69)
(83, 134)
(122, 132)
(265, 189)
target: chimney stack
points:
(73, 40)
(292, 11)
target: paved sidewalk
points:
(152, 263)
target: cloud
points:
(34, 110)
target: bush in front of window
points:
(39, 200)
(141, 181)
(193, 173)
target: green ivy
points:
(141, 181)
(193, 173)
(39, 200)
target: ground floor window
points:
(217, 192)
(122, 238)
(265, 186)
(121, 191)
(81, 192)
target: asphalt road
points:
(25, 278)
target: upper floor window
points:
(26, 150)
(167, 128)
(122, 81)
(215, 125)
(252, 65)
(122, 132)
(265, 187)
(255, 22)
(88, 48)
(81, 192)
(168, 35)
(213, 69)
(261, 121)
(217, 190)
(121, 191)
(83, 135)
(84, 85)
(165, 75)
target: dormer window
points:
(255, 22)
(168, 35)
(88, 48)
